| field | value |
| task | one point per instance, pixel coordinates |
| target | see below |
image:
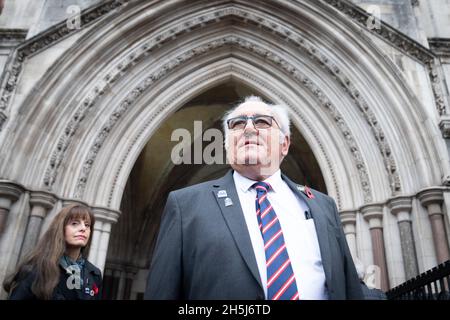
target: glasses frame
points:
(253, 121)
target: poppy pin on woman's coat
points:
(95, 289)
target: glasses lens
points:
(237, 123)
(263, 122)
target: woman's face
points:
(77, 233)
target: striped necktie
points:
(281, 283)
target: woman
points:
(55, 268)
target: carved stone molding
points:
(431, 196)
(432, 199)
(9, 83)
(10, 190)
(59, 31)
(12, 36)
(446, 180)
(68, 202)
(42, 199)
(3, 118)
(242, 43)
(194, 84)
(444, 126)
(40, 42)
(391, 35)
(9, 193)
(201, 21)
(373, 213)
(401, 203)
(350, 88)
(401, 207)
(440, 46)
(401, 42)
(157, 41)
(104, 214)
(436, 84)
(144, 128)
(348, 217)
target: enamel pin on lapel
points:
(222, 194)
(306, 191)
(228, 202)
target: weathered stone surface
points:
(87, 114)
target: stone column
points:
(348, 219)
(41, 202)
(121, 289)
(401, 208)
(432, 199)
(104, 218)
(9, 193)
(130, 274)
(373, 213)
(115, 284)
(107, 283)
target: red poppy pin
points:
(95, 289)
(308, 193)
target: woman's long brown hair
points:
(43, 260)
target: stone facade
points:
(88, 101)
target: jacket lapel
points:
(234, 217)
(321, 225)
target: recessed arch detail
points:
(168, 105)
(222, 74)
(204, 49)
(251, 17)
(92, 122)
(92, 15)
(158, 40)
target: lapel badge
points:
(222, 194)
(228, 202)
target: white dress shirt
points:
(299, 234)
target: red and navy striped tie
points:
(281, 283)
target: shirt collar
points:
(245, 183)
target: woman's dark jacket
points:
(90, 289)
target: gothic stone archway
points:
(79, 132)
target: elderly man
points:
(253, 234)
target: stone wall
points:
(80, 106)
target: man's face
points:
(256, 147)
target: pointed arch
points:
(303, 33)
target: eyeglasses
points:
(259, 122)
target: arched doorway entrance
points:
(83, 131)
(154, 175)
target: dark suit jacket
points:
(204, 250)
(372, 294)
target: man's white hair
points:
(280, 114)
